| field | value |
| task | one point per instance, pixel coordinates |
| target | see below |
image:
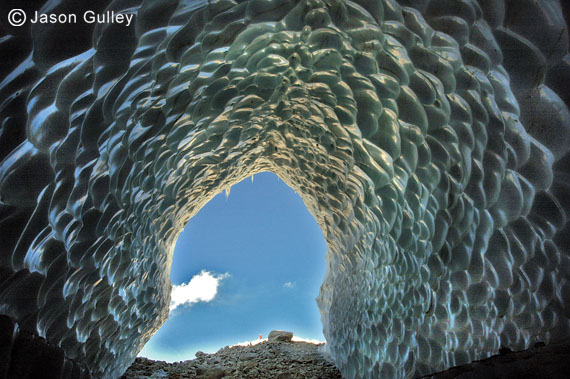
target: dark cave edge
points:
(542, 361)
(24, 355)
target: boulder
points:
(280, 336)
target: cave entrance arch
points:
(436, 170)
(248, 262)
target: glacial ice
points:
(429, 138)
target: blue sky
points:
(257, 258)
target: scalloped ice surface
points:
(429, 139)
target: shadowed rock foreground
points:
(280, 360)
(285, 360)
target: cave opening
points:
(250, 261)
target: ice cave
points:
(429, 139)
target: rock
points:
(250, 365)
(213, 373)
(254, 372)
(200, 354)
(201, 369)
(264, 360)
(248, 356)
(280, 336)
(159, 374)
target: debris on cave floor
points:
(279, 358)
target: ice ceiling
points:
(428, 138)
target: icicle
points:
(228, 192)
(252, 178)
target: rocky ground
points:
(280, 359)
(268, 360)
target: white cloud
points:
(202, 287)
(289, 285)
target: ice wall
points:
(428, 138)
